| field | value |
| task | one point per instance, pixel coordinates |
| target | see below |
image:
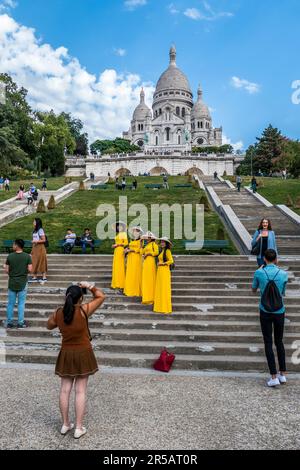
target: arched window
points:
(160, 111)
(142, 127)
(200, 141)
(198, 125)
(178, 111)
(156, 139)
(183, 112)
(179, 139)
(168, 134)
(201, 124)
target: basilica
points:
(176, 123)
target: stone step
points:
(151, 347)
(188, 362)
(38, 325)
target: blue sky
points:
(243, 52)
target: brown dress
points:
(76, 357)
(39, 258)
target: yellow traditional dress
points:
(118, 270)
(149, 273)
(162, 298)
(133, 278)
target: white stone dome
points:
(200, 109)
(173, 78)
(142, 111)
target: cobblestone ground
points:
(147, 411)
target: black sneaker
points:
(22, 325)
(10, 325)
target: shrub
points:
(289, 201)
(51, 203)
(204, 201)
(81, 186)
(297, 204)
(41, 208)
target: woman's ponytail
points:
(73, 295)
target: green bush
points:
(51, 203)
(41, 208)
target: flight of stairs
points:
(215, 324)
(250, 211)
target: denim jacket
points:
(271, 241)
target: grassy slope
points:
(277, 190)
(79, 211)
(52, 184)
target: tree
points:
(53, 136)
(226, 148)
(113, 146)
(81, 138)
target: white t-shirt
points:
(38, 235)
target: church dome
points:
(142, 111)
(200, 109)
(173, 78)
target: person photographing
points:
(76, 360)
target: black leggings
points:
(267, 320)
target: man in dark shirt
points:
(17, 266)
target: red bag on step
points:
(164, 362)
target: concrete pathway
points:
(134, 411)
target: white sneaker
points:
(65, 429)
(79, 432)
(282, 379)
(273, 382)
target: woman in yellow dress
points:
(133, 278)
(163, 293)
(149, 252)
(118, 269)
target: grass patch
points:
(53, 184)
(79, 211)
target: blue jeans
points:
(12, 299)
(84, 246)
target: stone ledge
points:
(237, 227)
(293, 216)
(229, 184)
(215, 198)
(260, 198)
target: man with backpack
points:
(272, 283)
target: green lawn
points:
(277, 190)
(52, 183)
(79, 211)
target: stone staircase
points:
(250, 211)
(215, 324)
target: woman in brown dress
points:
(38, 253)
(76, 360)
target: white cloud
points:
(6, 5)
(236, 145)
(120, 52)
(193, 13)
(172, 9)
(210, 15)
(55, 80)
(250, 87)
(133, 4)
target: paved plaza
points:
(133, 410)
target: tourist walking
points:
(163, 291)
(44, 185)
(117, 183)
(39, 253)
(165, 182)
(18, 265)
(76, 360)
(149, 253)
(215, 175)
(118, 268)
(133, 278)
(6, 184)
(1, 182)
(134, 184)
(254, 185)
(239, 183)
(21, 191)
(263, 239)
(123, 184)
(272, 283)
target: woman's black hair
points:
(164, 250)
(73, 295)
(38, 225)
